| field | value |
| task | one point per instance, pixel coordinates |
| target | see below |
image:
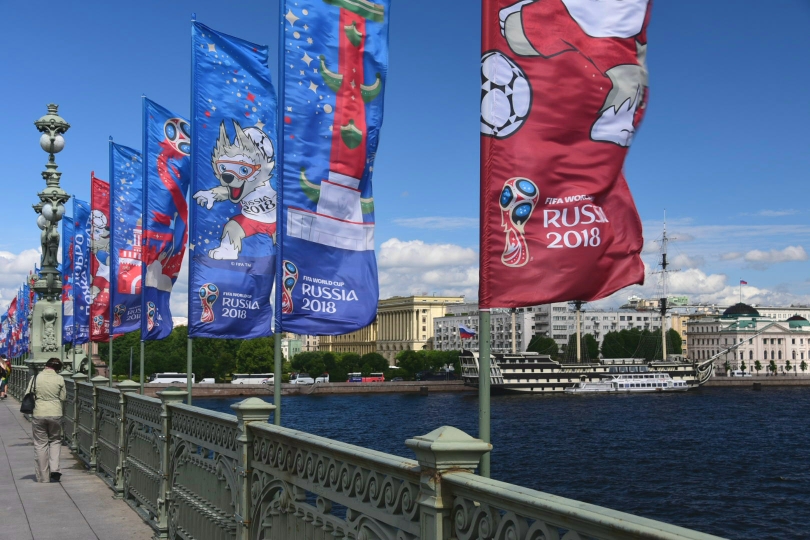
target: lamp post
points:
(46, 322)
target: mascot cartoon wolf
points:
(610, 34)
(244, 169)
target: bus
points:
(372, 377)
(253, 378)
(170, 378)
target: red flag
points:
(564, 88)
(743, 282)
(100, 259)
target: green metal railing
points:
(196, 474)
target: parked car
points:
(740, 373)
(397, 379)
(323, 378)
(301, 378)
(209, 380)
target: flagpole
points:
(141, 377)
(112, 244)
(189, 372)
(483, 386)
(191, 222)
(277, 363)
(90, 307)
(145, 225)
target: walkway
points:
(81, 507)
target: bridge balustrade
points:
(195, 474)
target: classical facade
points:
(783, 341)
(446, 329)
(290, 347)
(406, 322)
(362, 341)
(308, 343)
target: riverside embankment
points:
(236, 390)
(748, 382)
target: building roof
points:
(797, 321)
(740, 310)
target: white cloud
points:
(682, 260)
(732, 255)
(395, 253)
(438, 222)
(761, 259)
(416, 267)
(179, 301)
(14, 270)
(776, 213)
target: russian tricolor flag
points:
(466, 333)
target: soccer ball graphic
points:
(178, 134)
(208, 296)
(506, 96)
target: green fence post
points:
(96, 381)
(167, 397)
(247, 411)
(443, 449)
(123, 387)
(74, 438)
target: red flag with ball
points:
(563, 90)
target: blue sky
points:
(724, 148)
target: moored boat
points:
(642, 382)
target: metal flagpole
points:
(140, 379)
(483, 386)
(112, 236)
(514, 334)
(189, 371)
(110, 360)
(277, 378)
(578, 305)
(130, 362)
(277, 358)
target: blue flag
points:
(166, 173)
(126, 231)
(67, 280)
(82, 298)
(4, 333)
(335, 62)
(233, 187)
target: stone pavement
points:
(81, 507)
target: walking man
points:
(46, 424)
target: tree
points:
(543, 345)
(803, 366)
(675, 341)
(256, 355)
(376, 361)
(743, 366)
(622, 344)
(727, 367)
(788, 366)
(757, 366)
(772, 367)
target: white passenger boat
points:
(641, 382)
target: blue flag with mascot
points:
(82, 297)
(126, 238)
(335, 64)
(67, 280)
(233, 188)
(166, 173)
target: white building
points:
(559, 321)
(446, 329)
(782, 337)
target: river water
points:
(726, 461)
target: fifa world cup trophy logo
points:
(178, 135)
(208, 296)
(98, 323)
(151, 311)
(118, 310)
(518, 199)
(289, 281)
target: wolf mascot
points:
(100, 263)
(610, 34)
(244, 169)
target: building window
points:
(751, 355)
(772, 355)
(780, 355)
(793, 342)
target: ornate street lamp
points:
(46, 324)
